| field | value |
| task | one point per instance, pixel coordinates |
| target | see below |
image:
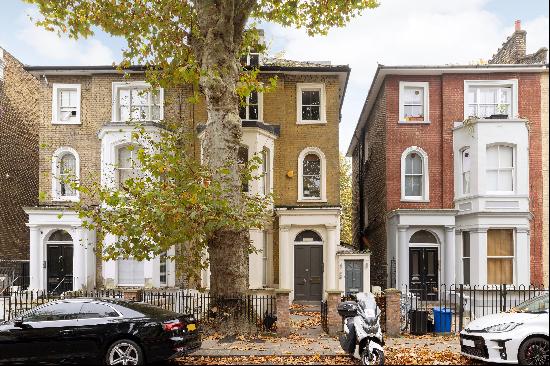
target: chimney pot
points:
(518, 25)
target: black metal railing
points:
(15, 303)
(324, 315)
(255, 309)
(462, 303)
(259, 310)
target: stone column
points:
(331, 258)
(35, 257)
(478, 256)
(334, 319)
(284, 257)
(523, 257)
(255, 260)
(459, 276)
(79, 259)
(403, 258)
(283, 312)
(393, 312)
(149, 272)
(450, 260)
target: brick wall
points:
(545, 173)
(375, 188)
(513, 51)
(18, 156)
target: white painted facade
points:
(482, 209)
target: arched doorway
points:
(423, 264)
(308, 266)
(59, 254)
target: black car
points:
(97, 331)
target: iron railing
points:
(254, 309)
(324, 315)
(465, 303)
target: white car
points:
(519, 335)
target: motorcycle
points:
(362, 328)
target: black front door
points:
(308, 272)
(423, 269)
(60, 267)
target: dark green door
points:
(308, 272)
(354, 276)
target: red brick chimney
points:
(518, 25)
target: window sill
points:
(317, 200)
(300, 122)
(66, 199)
(414, 200)
(402, 122)
(66, 123)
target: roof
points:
(382, 71)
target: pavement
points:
(307, 338)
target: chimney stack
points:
(518, 25)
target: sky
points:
(398, 32)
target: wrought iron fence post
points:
(461, 308)
(503, 298)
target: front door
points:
(423, 269)
(354, 276)
(308, 272)
(60, 267)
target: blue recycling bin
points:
(442, 320)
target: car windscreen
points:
(535, 305)
(140, 310)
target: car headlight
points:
(499, 328)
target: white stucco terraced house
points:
(83, 131)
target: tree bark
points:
(221, 26)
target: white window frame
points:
(265, 258)
(56, 187)
(117, 167)
(425, 197)
(464, 257)
(463, 172)
(260, 108)
(321, 155)
(266, 171)
(118, 263)
(493, 83)
(300, 87)
(56, 88)
(414, 84)
(514, 162)
(134, 84)
(513, 257)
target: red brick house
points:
(442, 198)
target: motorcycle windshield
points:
(367, 303)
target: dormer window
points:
(136, 101)
(66, 104)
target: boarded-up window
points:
(500, 256)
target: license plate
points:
(191, 327)
(468, 343)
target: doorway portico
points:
(308, 239)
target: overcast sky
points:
(398, 32)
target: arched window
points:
(60, 235)
(65, 170)
(414, 175)
(127, 165)
(308, 235)
(311, 180)
(423, 236)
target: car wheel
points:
(534, 351)
(124, 352)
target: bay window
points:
(500, 168)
